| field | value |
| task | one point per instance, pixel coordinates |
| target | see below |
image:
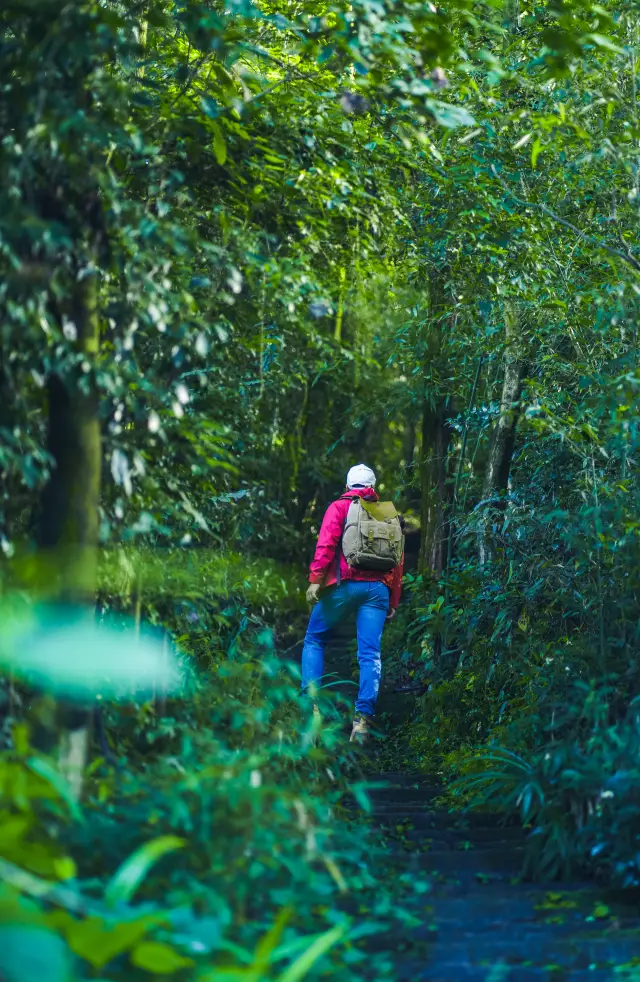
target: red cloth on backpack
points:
(323, 567)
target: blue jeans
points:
(369, 601)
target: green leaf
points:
(210, 107)
(522, 141)
(50, 774)
(32, 954)
(535, 151)
(154, 956)
(361, 796)
(48, 645)
(270, 941)
(450, 116)
(219, 144)
(601, 41)
(303, 965)
(99, 942)
(132, 872)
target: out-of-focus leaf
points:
(99, 942)
(130, 875)
(219, 144)
(66, 651)
(162, 959)
(449, 115)
(303, 965)
(44, 769)
(32, 954)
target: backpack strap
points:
(343, 497)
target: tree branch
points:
(626, 255)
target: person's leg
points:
(370, 619)
(324, 616)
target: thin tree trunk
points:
(461, 460)
(409, 449)
(502, 445)
(71, 499)
(411, 488)
(435, 490)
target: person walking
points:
(356, 570)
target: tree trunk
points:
(71, 499)
(502, 445)
(435, 489)
(411, 469)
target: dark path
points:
(480, 922)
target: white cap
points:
(361, 475)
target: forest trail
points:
(481, 922)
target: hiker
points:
(357, 569)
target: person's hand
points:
(313, 593)
(392, 613)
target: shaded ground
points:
(480, 921)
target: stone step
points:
(485, 908)
(480, 922)
(499, 971)
(574, 952)
(583, 892)
(467, 883)
(414, 810)
(453, 861)
(403, 779)
(458, 839)
(423, 795)
(501, 927)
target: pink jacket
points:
(323, 566)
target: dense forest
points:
(244, 246)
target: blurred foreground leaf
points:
(130, 875)
(32, 954)
(303, 965)
(66, 651)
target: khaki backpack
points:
(372, 537)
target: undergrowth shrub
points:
(580, 800)
(219, 842)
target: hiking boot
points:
(360, 731)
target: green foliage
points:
(241, 247)
(188, 861)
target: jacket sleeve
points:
(330, 534)
(396, 585)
